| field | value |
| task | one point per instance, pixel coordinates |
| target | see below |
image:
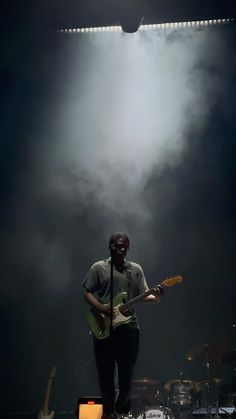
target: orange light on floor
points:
(89, 408)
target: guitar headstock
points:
(171, 281)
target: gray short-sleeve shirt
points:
(129, 278)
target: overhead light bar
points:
(96, 29)
(169, 25)
(190, 24)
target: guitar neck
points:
(167, 283)
(48, 391)
(46, 398)
(139, 298)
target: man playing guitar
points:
(117, 346)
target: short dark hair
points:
(115, 236)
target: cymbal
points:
(213, 380)
(214, 353)
(146, 381)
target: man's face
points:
(121, 248)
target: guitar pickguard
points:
(100, 324)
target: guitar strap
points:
(129, 276)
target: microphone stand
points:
(111, 292)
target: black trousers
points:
(120, 349)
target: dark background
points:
(57, 212)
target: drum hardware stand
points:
(217, 416)
(210, 355)
(208, 387)
(208, 382)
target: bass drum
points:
(156, 412)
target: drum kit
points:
(181, 398)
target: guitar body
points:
(41, 415)
(100, 324)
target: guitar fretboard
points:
(140, 297)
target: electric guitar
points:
(99, 324)
(44, 413)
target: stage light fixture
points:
(131, 14)
(131, 25)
